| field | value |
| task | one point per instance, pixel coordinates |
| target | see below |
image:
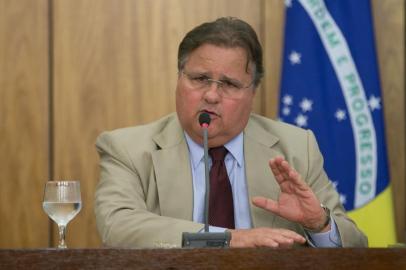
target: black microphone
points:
(206, 239)
(204, 120)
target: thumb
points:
(267, 204)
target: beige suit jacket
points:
(145, 195)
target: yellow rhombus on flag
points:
(376, 219)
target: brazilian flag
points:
(330, 84)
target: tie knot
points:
(218, 153)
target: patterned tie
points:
(221, 207)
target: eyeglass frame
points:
(207, 82)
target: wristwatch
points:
(325, 224)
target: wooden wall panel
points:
(273, 32)
(115, 65)
(23, 122)
(389, 18)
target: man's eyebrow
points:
(210, 74)
(200, 72)
(225, 77)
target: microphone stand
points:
(206, 239)
(206, 176)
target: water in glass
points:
(62, 202)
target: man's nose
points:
(213, 91)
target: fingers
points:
(296, 201)
(284, 237)
(291, 235)
(281, 168)
(282, 241)
(284, 172)
(276, 170)
(265, 237)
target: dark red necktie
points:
(221, 207)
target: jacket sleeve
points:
(316, 177)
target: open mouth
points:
(211, 113)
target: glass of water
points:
(62, 202)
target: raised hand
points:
(297, 202)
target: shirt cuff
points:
(330, 238)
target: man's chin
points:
(218, 140)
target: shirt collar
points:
(235, 147)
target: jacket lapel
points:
(260, 180)
(172, 171)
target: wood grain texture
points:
(23, 122)
(115, 66)
(389, 20)
(273, 33)
(209, 258)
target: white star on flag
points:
(335, 184)
(294, 58)
(288, 3)
(340, 115)
(301, 120)
(287, 100)
(374, 102)
(343, 198)
(286, 111)
(306, 105)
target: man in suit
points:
(152, 177)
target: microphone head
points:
(204, 119)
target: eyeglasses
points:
(228, 88)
